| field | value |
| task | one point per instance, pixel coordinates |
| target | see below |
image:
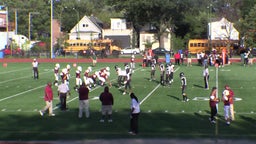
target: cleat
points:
(41, 113)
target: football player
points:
(68, 72)
(89, 80)
(121, 74)
(56, 74)
(183, 87)
(127, 81)
(171, 73)
(162, 72)
(153, 71)
(64, 76)
(132, 64)
(78, 78)
(167, 73)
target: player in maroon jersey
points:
(213, 104)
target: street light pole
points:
(210, 26)
(29, 24)
(77, 28)
(51, 29)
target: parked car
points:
(160, 51)
(130, 50)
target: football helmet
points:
(57, 65)
(68, 66)
(79, 68)
(181, 74)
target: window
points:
(85, 25)
(223, 27)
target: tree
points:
(249, 24)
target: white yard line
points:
(154, 90)
(18, 70)
(21, 93)
(23, 77)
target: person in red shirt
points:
(177, 58)
(107, 102)
(48, 97)
(231, 101)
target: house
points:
(119, 32)
(147, 35)
(88, 28)
(222, 30)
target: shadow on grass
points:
(199, 86)
(67, 126)
(174, 97)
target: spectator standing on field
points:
(94, 59)
(177, 58)
(63, 90)
(189, 59)
(213, 104)
(107, 101)
(135, 111)
(231, 101)
(83, 92)
(48, 97)
(206, 77)
(226, 101)
(35, 69)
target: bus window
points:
(81, 44)
(191, 45)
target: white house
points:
(147, 34)
(119, 32)
(222, 30)
(86, 29)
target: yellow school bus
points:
(204, 45)
(81, 46)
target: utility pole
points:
(29, 24)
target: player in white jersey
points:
(121, 74)
(78, 77)
(56, 74)
(132, 64)
(89, 80)
(162, 72)
(171, 73)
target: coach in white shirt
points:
(63, 90)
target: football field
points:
(163, 114)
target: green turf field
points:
(163, 114)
